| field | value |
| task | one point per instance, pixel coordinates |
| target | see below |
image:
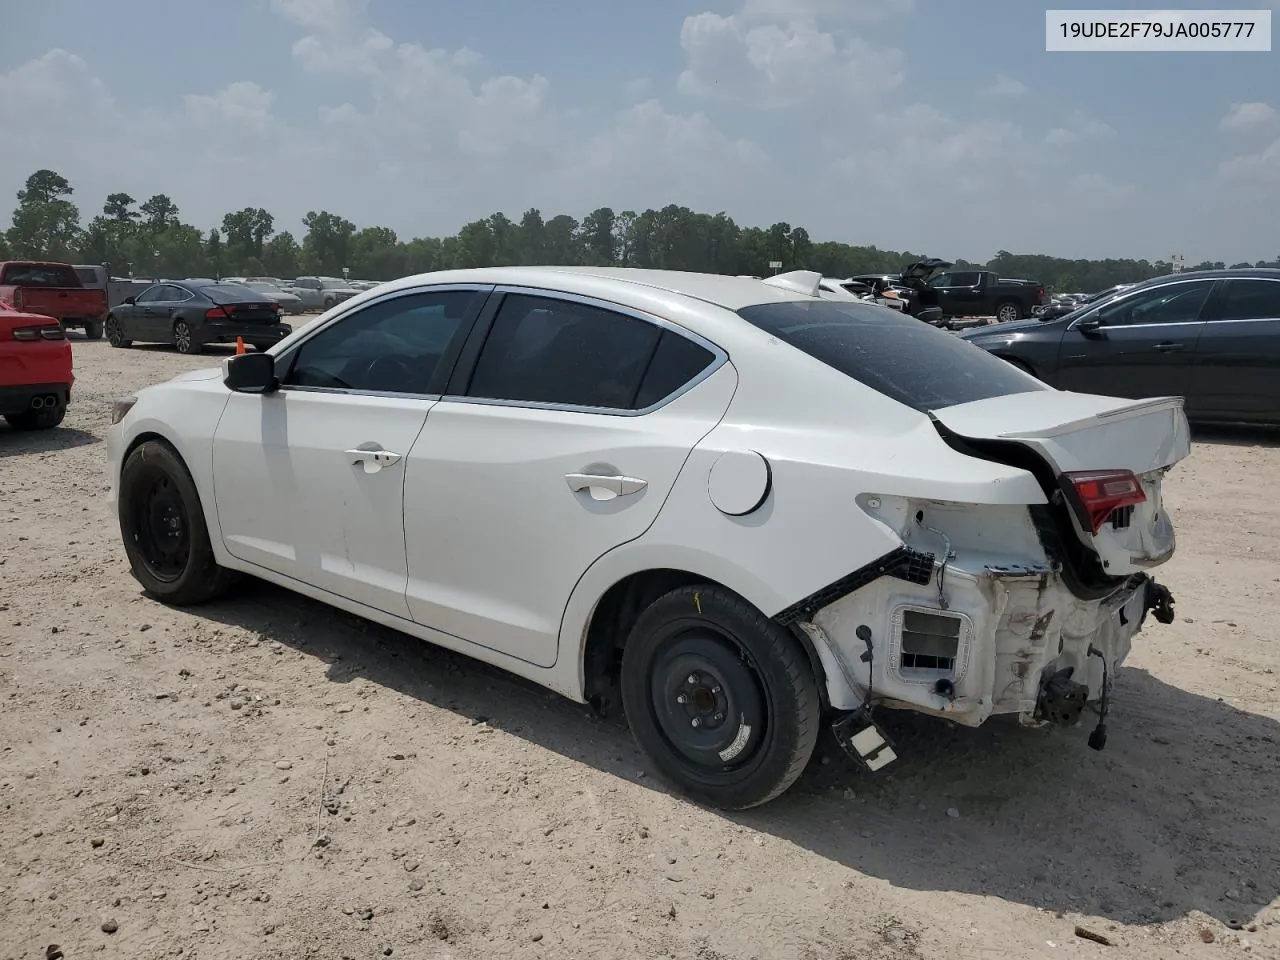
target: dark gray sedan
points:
(192, 313)
(1211, 336)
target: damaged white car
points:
(737, 507)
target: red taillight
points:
(217, 313)
(1102, 492)
(43, 332)
(1039, 294)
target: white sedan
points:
(735, 506)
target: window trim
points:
(286, 358)
(1135, 291)
(465, 368)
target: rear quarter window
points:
(39, 275)
(901, 357)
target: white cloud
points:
(1255, 169)
(1006, 86)
(779, 64)
(639, 88)
(1079, 127)
(242, 102)
(1243, 116)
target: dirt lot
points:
(267, 778)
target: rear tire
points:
(46, 418)
(1008, 311)
(184, 341)
(162, 524)
(722, 699)
(115, 333)
(93, 329)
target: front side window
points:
(545, 350)
(150, 294)
(894, 354)
(1247, 300)
(1174, 303)
(393, 346)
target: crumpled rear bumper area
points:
(978, 640)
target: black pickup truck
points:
(981, 293)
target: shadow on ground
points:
(1181, 812)
(14, 443)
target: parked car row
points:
(194, 312)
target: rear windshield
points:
(897, 355)
(40, 275)
(87, 276)
(231, 293)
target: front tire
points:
(184, 341)
(162, 524)
(115, 332)
(93, 329)
(721, 698)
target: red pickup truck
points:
(53, 290)
(35, 370)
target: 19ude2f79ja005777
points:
(733, 504)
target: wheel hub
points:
(703, 701)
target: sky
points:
(935, 126)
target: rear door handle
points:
(374, 459)
(604, 487)
(1169, 347)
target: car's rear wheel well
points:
(616, 613)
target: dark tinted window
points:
(965, 279)
(544, 350)
(676, 361)
(1247, 300)
(151, 293)
(40, 275)
(912, 362)
(1169, 303)
(394, 346)
(232, 293)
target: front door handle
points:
(373, 459)
(604, 487)
(1169, 347)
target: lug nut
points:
(681, 698)
(715, 689)
(695, 722)
(693, 679)
(719, 717)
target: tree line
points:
(149, 239)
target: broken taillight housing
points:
(1099, 493)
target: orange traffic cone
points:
(239, 345)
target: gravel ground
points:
(267, 778)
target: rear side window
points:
(40, 275)
(897, 355)
(676, 361)
(545, 350)
(1246, 300)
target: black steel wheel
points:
(115, 332)
(722, 699)
(162, 523)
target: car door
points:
(558, 443)
(959, 292)
(309, 479)
(156, 312)
(1235, 373)
(1138, 345)
(132, 316)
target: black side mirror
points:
(250, 373)
(130, 300)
